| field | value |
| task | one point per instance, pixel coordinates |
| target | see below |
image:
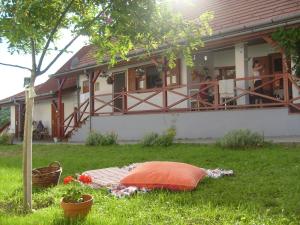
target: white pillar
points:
(241, 68)
(295, 91)
(184, 79)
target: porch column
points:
(296, 92)
(241, 68)
(60, 127)
(92, 93)
(78, 90)
(164, 85)
(184, 80)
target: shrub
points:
(241, 139)
(167, 138)
(109, 139)
(149, 139)
(95, 139)
(153, 139)
(6, 139)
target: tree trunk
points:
(27, 149)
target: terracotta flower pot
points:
(75, 210)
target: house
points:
(217, 95)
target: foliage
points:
(95, 139)
(74, 193)
(149, 139)
(241, 139)
(289, 40)
(6, 139)
(154, 139)
(264, 190)
(4, 116)
(167, 138)
(110, 138)
(114, 27)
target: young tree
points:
(115, 27)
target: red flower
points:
(86, 179)
(68, 179)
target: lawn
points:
(264, 190)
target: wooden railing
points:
(273, 91)
(75, 119)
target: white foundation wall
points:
(42, 112)
(12, 119)
(195, 125)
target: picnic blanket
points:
(110, 178)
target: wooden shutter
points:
(131, 79)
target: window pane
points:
(153, 77)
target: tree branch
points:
(16, 66)
(54, 30)
(58, 55)
(33, 57)
(70, 43)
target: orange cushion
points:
(166, 175)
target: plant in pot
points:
(74, 203)
(110, 79)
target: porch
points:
(149, 87)
(277, 94)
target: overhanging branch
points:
(16, 66)
(39, 72)
(58, 55)
(54, 30)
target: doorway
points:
(118, 86)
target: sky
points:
(12, 79)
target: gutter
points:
(14, 100)
(270, 24)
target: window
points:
(223, 73)
(146, 77)
(85, 86)
(149, 77)
(153, 77)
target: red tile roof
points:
(231, 14)
(49, 87)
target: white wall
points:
(224, 58)
(42, 111)
(12, 119)
(70, 101)
(192, 125)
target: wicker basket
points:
(46, 176)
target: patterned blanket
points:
(110, 178)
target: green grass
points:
(264, 190)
